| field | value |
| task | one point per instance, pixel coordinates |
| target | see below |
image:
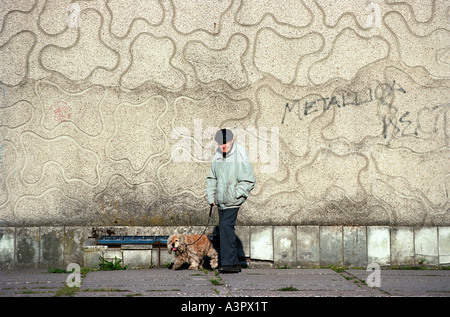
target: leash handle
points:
(210, 210)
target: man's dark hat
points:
(223, 136)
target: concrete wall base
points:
(290, 246)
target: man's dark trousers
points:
(228, 244)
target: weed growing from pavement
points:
(216, 281)
(84, 270)
(67, 291)
(106, 265)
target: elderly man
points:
(229, 183)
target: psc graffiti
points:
(381, 92)
(408, 124)
(61, 111)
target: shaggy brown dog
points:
(185, 252)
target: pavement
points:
(252, 282)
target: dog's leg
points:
(194, 262)
(214, 257)
(177, 264)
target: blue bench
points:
(118, 240)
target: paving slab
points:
(30, 283)
(253, 282)
(151, 282)
(433, 283)
(293, 282)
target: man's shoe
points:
(230, 269)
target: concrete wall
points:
(292, 246)
(108, 109)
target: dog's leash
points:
(207, 224)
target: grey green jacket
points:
(230, 178)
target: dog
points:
(186, 252)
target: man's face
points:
(227, 146)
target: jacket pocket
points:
(230, 198)
(219, 193)
(230, 194)
(226, 196)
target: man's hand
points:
(211, 208)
